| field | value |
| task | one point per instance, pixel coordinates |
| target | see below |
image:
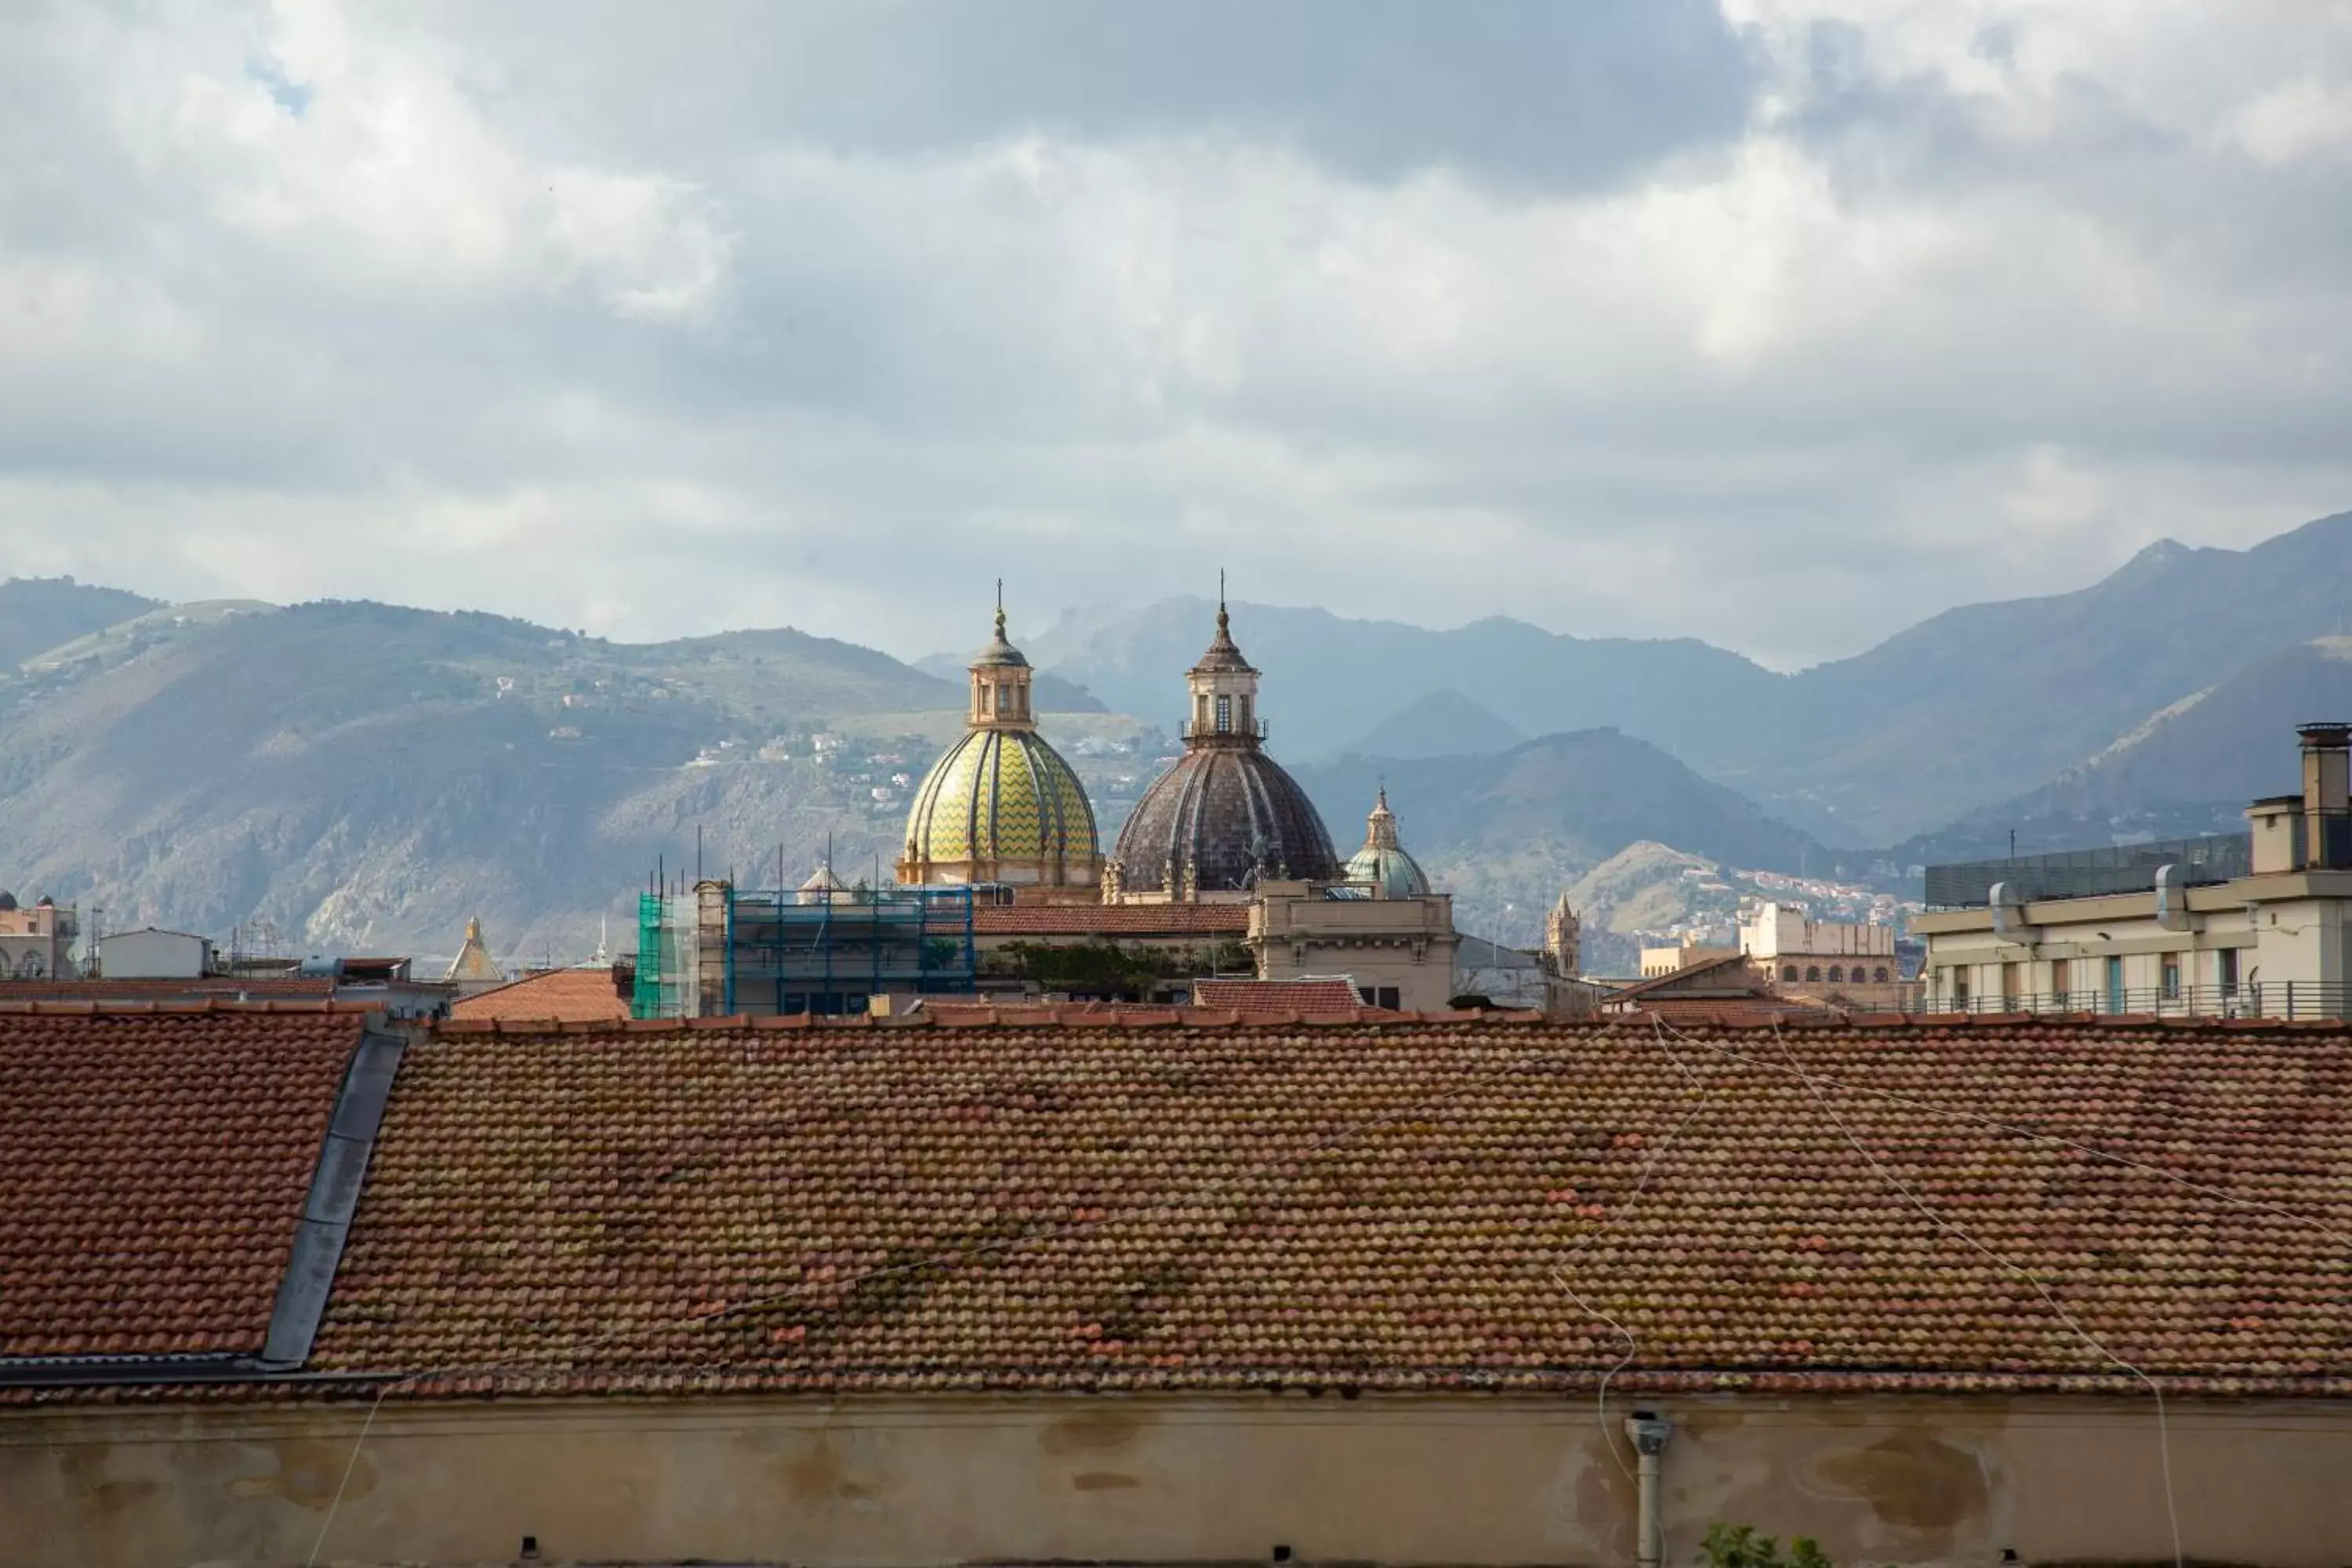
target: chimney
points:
(2326, 795)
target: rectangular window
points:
(1960, 989)
(1224, 715)
(2225, 970)
(1388, 998)
(2010, 986)
(2115, 984)
(2058, 978)
(2172, 977)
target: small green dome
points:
(1383, 861)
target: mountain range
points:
(364, 775)
(1971, 706)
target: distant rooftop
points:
(2092, 873)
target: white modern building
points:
(2257, 924)
(152, 954)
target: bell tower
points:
(1223, 691)
(1563, 941)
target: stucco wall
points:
(1504, 1482)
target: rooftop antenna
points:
(698, 852)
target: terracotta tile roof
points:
(1138, 1200)
(571, 994)
(1281, 998)
(153, 1165)
(1715, 976)
(228, 989)
(1111, 920)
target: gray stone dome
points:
(1223, 818)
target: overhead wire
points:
(1526, 1061)
(2163, 1427)
(949, 1255)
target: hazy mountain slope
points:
(2191, 768)
(1441, 724)
(1049, 693)
(1329, 680)
(367, 776)
(37, 614)
(1969, 707)
(1508, 833)
(1978, 703)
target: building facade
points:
(152, 953)
(2254, 925)
(1848, 963)
(37, 943)
(1399, 952)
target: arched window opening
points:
(1813, 971)
(1787, 972)
(1879, 974)
(1837, 972)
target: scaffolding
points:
(717, 951)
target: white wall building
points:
(152, 953)
(2260, 925)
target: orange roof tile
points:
(1286, 998)
(227, 988)
(571, 994)
(1145, 1203)
(1111, 919)
(153, 1165)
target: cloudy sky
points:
(1782, 324)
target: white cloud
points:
(1970, 299)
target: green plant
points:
(1739, 1546)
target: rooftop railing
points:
(2092, 873)
(2251, 999)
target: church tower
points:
(1563, 941)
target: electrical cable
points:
(1529, 1060)
(2163, 1427)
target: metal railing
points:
(2252, 999)
(2092, 873)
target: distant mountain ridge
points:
(362, 775)
(368, 776)
(1973, 705)
(1508, 833)
(1442, 724)
(2189, 768)
(37, 613)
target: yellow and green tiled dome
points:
(1003, 802)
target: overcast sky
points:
(1781, 325)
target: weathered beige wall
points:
(1501, 1481)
